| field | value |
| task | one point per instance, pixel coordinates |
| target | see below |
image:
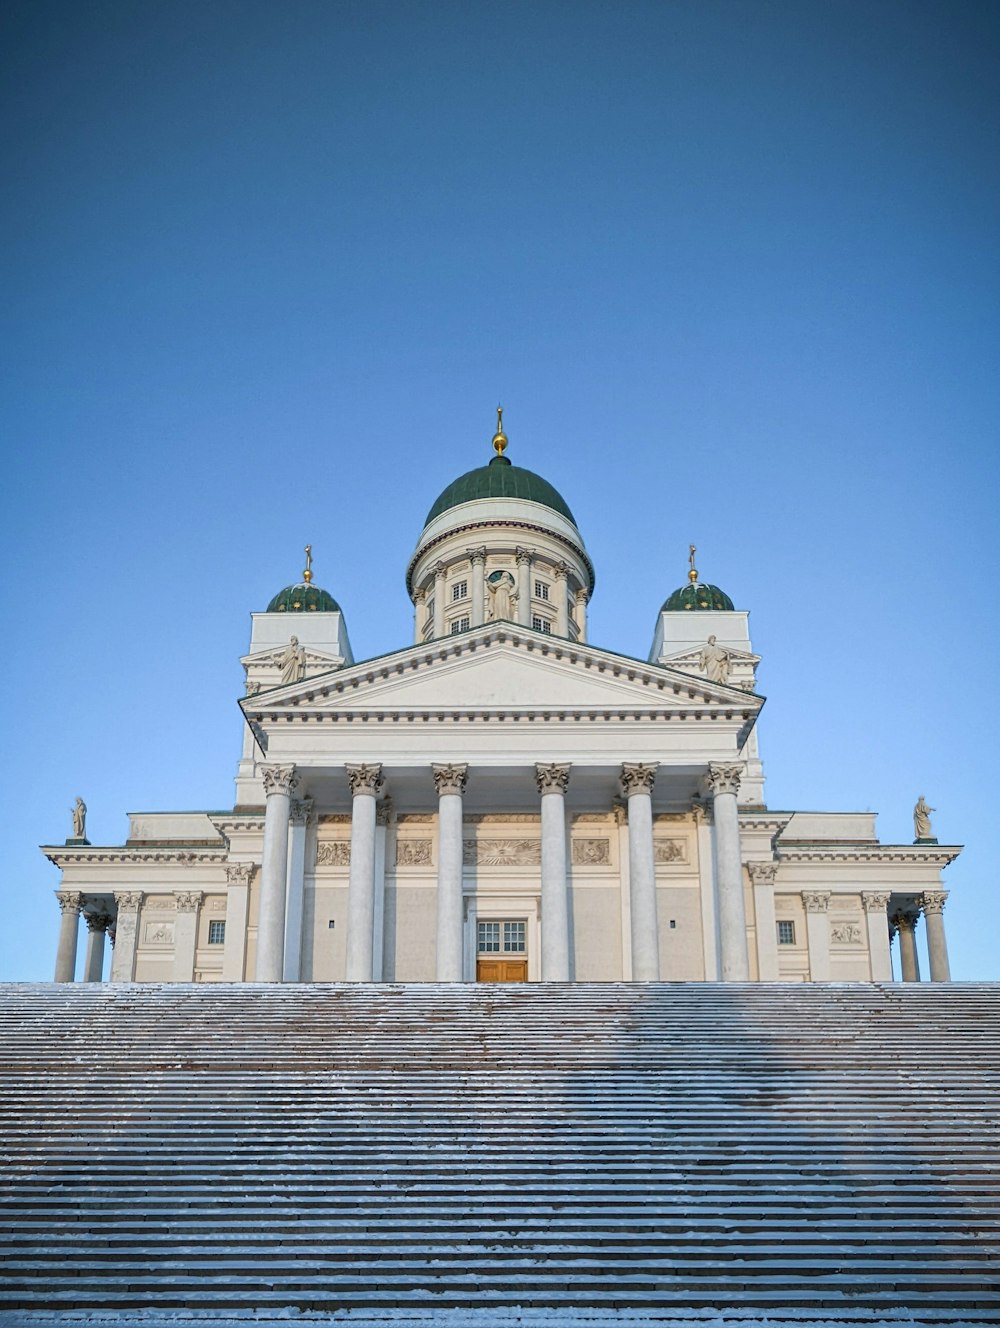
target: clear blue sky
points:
(267, 269)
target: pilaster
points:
(523, 557)
(188, 904)
(439, 571)
(762, 879)
(817, 905)
(126, 933)
(478, 559)
(876, 904)
(234, 955)
(562, 599)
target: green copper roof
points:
(500, 479)
(303, 598)
(697, 596)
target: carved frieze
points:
(413, 852)
(502, 852)
(159, 933)
(591, 852)
(669, 851)
(334, 853)
(845, 933)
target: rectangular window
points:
(459, 590)
(541, 590)
(489, 938)
(216, 933)
(541, 625)
(786, 933)
(513, 937)
(459, 625)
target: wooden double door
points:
(501, 970)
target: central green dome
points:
(500, 479)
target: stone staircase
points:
(571, 1154)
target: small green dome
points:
(697, 596)
(500, 479)
(303, 598)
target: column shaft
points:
(126, 935)
(879, 953)
(706, 883)
(186, 934)
(523, 587)
(909, 964)
(552, 783)
(580, 614)
(97, 926)
(71, 905)
(366, 782)
(439, 572)
(725, 782)
(450, 781)
(301, 810)
(562, 602)
(637, 784)
(478, 557)
(817, 903)
(932, 904)
(279, 783)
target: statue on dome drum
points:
(292, 662)
(79, 813)
(922, 820)
(714, 661)
(503, 596)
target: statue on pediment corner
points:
(79, 812)
(292, 662)
(922, 819)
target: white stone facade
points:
(501, 800)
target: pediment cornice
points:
(66, 857)
(927, 855)
(585, 683)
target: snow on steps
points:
(427, 1155)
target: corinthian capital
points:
(450, 779)
(816, 901)
(875, 901)
(476, 555)
(279, 779)
(97, 922)
(762, 873)
(385, 812)
(932, 901)
(188, 901)
(440, 570)
(365, 779)
(239, 873)
(552, 778)
(637, 778)
(905, 920)
(128, 901)
(70, 901)
(724, 778)
(523, 556)
(301, 811)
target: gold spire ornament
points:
(307, 575)
(693, 574)
(499, 438)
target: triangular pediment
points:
(502, 670)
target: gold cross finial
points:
(307, 575)
(499, 438)
(693, 574)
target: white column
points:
(879, 957)
(580, 614)
(450, 781)
(478, 557)
(439, 571)
(637, 785)
(762, 878)
(706, 886)
(523, 557)
(186, 933)
(562, 599)
(906, 924)
(280, 781)
(234, 954)
(419, 614)
(724, 781)
(71, 906)
(126, 935)
(932, 903)
(300, 817)
(620, 813)
(817, 904)
(385, 839)
(366, 784)
(97, 927)
(552, 782)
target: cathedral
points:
(500, 800)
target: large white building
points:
(501, 800)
